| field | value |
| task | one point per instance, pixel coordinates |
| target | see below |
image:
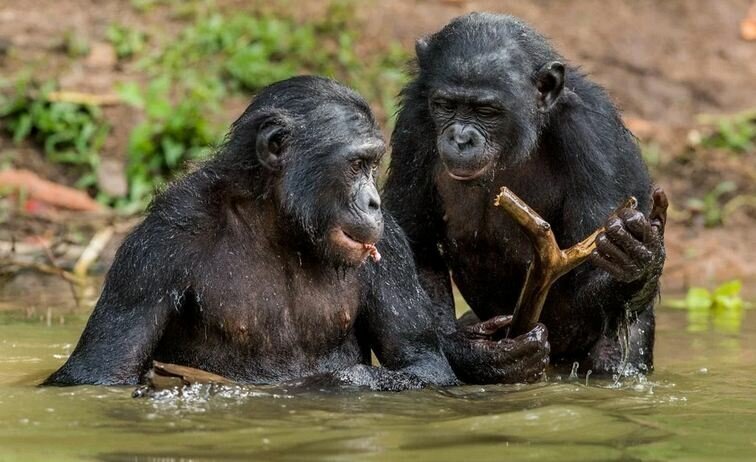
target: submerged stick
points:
(165, 375)
(549, 261)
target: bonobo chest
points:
(281, 301)
(485, 249)
(259, 312)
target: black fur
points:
(558, 142)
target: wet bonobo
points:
(273, 261)
(491, 105)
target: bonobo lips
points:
(461, 174)
(354, 248)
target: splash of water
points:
(574, 372)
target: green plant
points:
(735, 133)
(722, 307)
(652, 154)
(125, 40)
(171, 134)
(250, 52)
(74, 44)
(70, 133)
(711, 205)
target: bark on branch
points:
(549, 261)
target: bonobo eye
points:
(443, 105)
(487, 111)
(356, 166)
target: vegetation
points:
(711, 205)
(213, 57)
(70, 133)
(722, 308)
(126, 41)
(171, 134)
(735, 133)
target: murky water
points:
(699, 405)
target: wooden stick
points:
(549, 261)
(165, 375)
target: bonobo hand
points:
(632, 247)
(479, 353)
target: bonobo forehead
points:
(480, 50)
(339, 121)
(345, 129)
(481, 77)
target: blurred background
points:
(102, 101)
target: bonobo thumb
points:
(539, 333)
(658, 215)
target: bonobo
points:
(493, 105)
(264, 266)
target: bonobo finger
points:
(491, 326)
(658, 215)
(615, 270)
(636, 223)
(535, 365)
(617, 238)
(611, 251)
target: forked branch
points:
(549, 261)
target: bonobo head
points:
(490, 81)
(316, 146)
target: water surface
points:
(700, 404)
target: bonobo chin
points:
(274, 262)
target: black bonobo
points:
(493, 105)
(273, 261)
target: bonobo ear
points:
(421, 50)
(271, 142)
(550, 83)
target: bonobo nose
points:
(464, 138)
(369, 201)
(365, 224)
(374, 202)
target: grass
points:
(69, 134)
(126, 41)
(171, 134)
(735, 133)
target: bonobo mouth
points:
(354, 249)
(462, 174)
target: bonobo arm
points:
(138, 297)
(410, 196)
(397, 317)
(623, 284)
(433, 274)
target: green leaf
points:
(698, 299)
(729, 289)
(131, 94)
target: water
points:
(699, 405)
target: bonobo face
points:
(357, 224)
(327, 182)
(467, 127)
(349, 156)
(488, 95)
